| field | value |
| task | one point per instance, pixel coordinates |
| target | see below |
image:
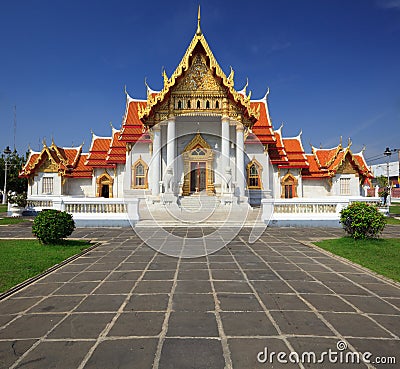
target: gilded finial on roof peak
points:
(349, 143)
(198, 32)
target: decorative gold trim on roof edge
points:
(144, 111)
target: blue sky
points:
(332, 66)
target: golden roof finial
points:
(198, 32)
(349, 143)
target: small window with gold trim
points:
(139, 175)
(289, 186)
(253, 176)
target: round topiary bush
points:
(51, 226)
(362, 221)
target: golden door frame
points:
(104, 179)
(198, 142)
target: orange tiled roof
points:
(295, 153)
(81, 170)
(98, 152)
(65, 158)
(117, 151)
(325, 157)
(314, 171)
(27, 168)
(359, 158)
(263, 128)
(276, 150)
(132, 127)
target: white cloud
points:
(389, 4)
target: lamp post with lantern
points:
(388, 153)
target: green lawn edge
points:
(381, 255)
(24, 259)
(8, 221)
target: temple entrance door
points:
(105, 191)
(198, 176)
(198, 159)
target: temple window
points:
(139, 174)
(217, 104)
(188, 104)
(179, 104)
(47, 185)
(198, 104)
(207, 104)
(253, 175)
(344, 186)
(289, 186)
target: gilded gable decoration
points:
(199, 76)
(49, 166)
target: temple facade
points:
(198, 135)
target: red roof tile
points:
(81, 170)
(262, 128)
(132, 127)
(295, 153)
(98, 152)
(117, 151)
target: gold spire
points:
(198, 32)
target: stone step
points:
(199, 203)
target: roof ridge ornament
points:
(349, 143)
(198, 31)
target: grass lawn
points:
(16, 220)
(392, 221)
(380, 255)
(394, 209)
(23, 259)
(3, 208)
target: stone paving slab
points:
(124, 305)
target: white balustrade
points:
(309, 211)
(91, 211)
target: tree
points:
(382, 181)
(15, 164)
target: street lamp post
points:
(388, 153)
(7, 152)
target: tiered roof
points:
(106, 152)
(98, 152)
(65, 160)
(295, 153)
(325, 163)
(116, 151)
(132, 127)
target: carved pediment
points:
(198, 79)
(346, 168)
(49, 166)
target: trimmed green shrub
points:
(51, 226)
(362, 221)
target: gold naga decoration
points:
(240, 106)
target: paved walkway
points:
(123, 305)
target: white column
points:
(171, 143)
(155, 162)
(240, 169)
(225, 143)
